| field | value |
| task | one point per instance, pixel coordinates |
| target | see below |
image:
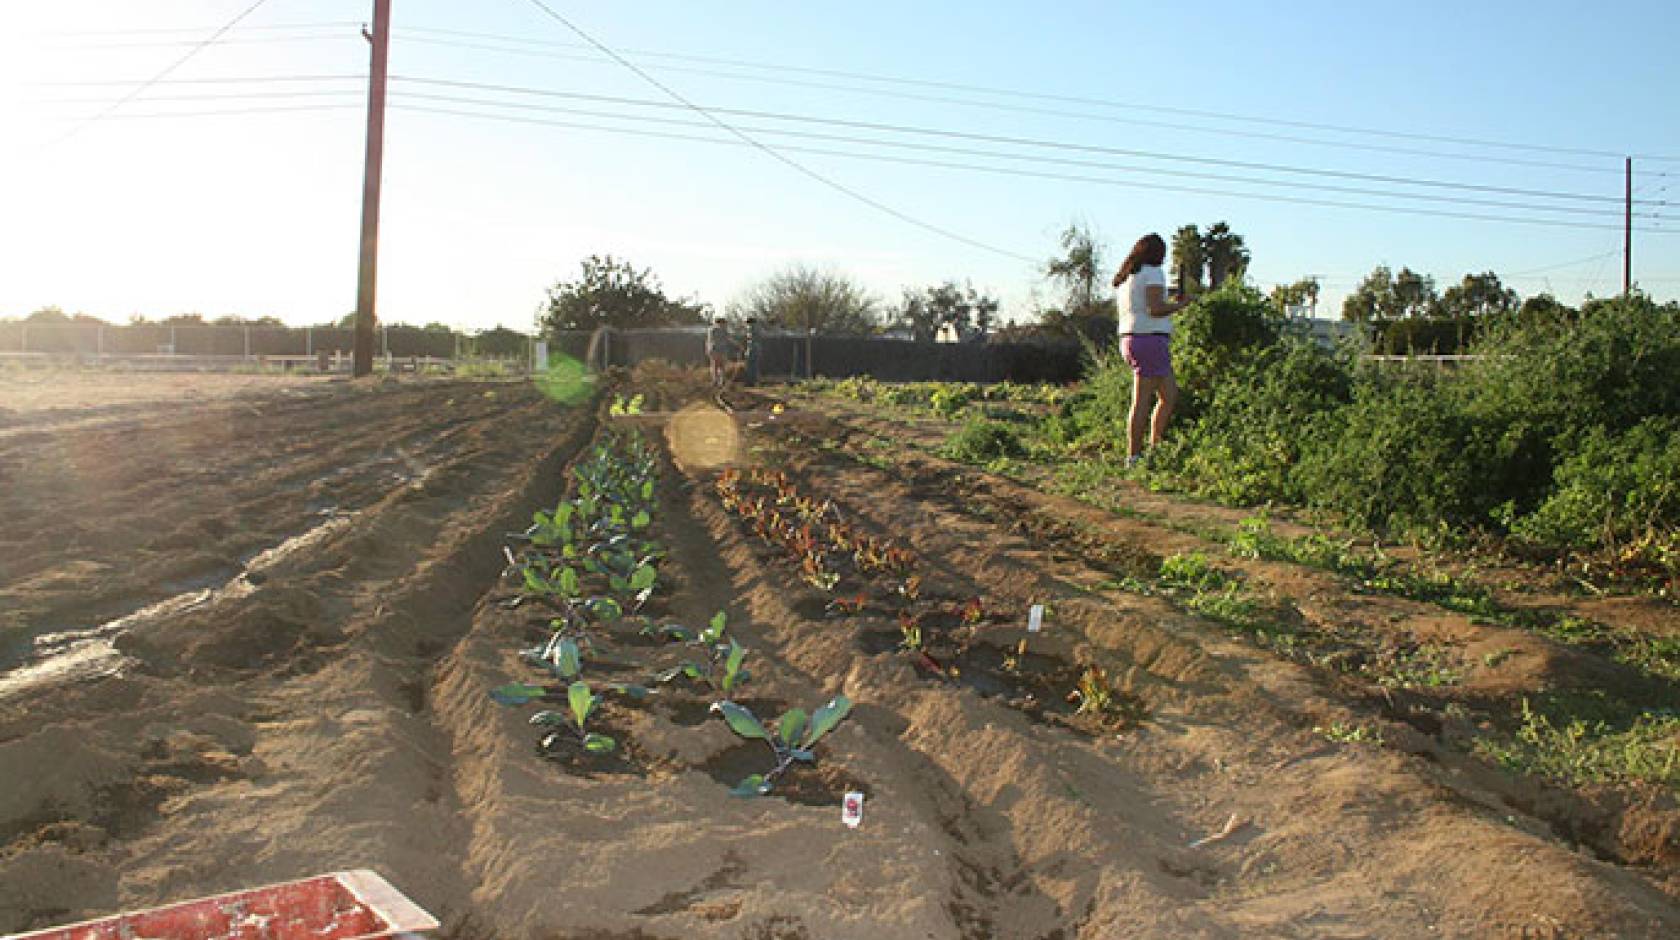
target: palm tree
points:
(1226, 255)
(1188, 259)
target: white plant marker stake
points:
(851, 810)
(1035, 618)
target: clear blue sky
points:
(257, 213)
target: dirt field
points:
(250, 639)
(27, 390)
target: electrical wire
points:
(788, 161)
(154, 30)
(1021, 141)
(1023, 173)
(1564, 264)
(1090, 164)
(1074, 99)
(1025, 109)
(136, 92)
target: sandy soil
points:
(318, 702)
(27, 390)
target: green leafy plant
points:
(722, 670)
(790, 739)
(574, 726)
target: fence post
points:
(247, 341)
(23, 338)
(309, 341)
(99, 341)
(172, 346)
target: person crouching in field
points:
(717, 350)
(1145, 333)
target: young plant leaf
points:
(569, 582)
(732, 666)
(714, 631)
(567, 663)
(582, 701)
(637, 692)
(598, 743)
(754, 785)
(792, 726)
(647, 489)
(741, 721)
(641, 520)
(643, 578)
(536, 583)
(549, 719)
(825, 719)
(603, 608)
(517, 693)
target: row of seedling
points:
(840, 559)
(594, 563)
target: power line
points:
(1565, 264)
(1190, 174)
(788, 161)
(154, 30)
(241, 41)
(1017, 109)
(136, 92)
(230, 112)
(1098, 102)
(1027, 142)
(1026, 173)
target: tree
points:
(47, 315)
(1076, 272)
(964, 309)
(1227, 257)
(1189, 259)
(1478, 295)
(613, 293)
(1302, 293)
(1384, 295)
(1414, 294)
(803, 298)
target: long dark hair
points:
(1150, 249)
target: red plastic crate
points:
(346, 905)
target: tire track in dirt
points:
(1247, 715)
(284, 728)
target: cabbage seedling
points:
(583, 703)
(722, 670)
(790, 739)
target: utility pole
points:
(1627, 235)
(367, 276)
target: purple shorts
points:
(1148, 354)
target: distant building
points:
(1326, 333)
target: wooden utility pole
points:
(1627, 234)
(368, 275)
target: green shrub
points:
(1213, 334)
(982, 442)
(1404, 455)
(1244, 447)
(1614, 488)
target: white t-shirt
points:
(1134, 305)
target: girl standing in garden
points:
(1145, 331)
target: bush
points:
(983, 442)
(1215, 333)
(1546, 383)
(1616, 488)
(1246, 444)
(1404, 455)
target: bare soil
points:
(311, 695)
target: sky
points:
(233, 186)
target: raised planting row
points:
(861, 574)
(593, 563)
